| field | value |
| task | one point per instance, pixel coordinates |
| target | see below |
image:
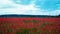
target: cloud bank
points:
(10, 7)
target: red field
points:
(29, 25)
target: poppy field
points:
(29, 25)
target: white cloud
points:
(9, 7)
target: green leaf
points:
(9, 30)
(33, 28)
(19, 32)
(26, 31)
(54, 31)
(47, 32)
(23, 31)
(27, 21)
(35, 21)
(0, 32)
(15, 33)
(43, 25)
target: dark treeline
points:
(27, 16)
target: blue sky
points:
(30, 7)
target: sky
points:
(30, 7)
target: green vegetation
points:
(0, 32)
